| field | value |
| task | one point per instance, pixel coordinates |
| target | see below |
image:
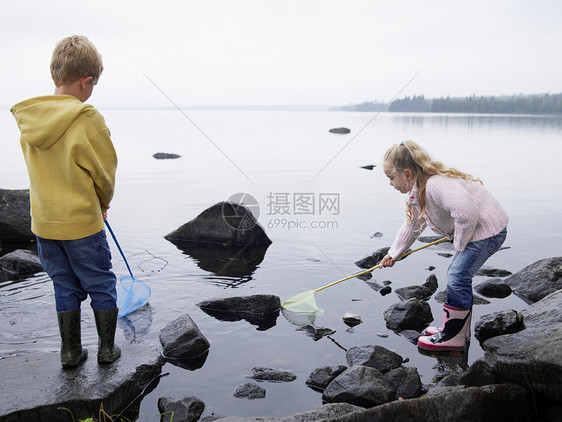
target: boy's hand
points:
(387, 261)
(104, 215)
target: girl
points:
(455, 205)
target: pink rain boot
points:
(429, 331)
(453, 336)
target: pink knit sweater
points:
(462, 210)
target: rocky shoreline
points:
(517, 379)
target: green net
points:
(303, 303)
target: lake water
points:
(320, 209)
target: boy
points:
(71, 164)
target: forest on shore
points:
(514, 104)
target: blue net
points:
(131, 295)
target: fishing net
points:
(131, 295)
(303, 303)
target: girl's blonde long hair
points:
(409, 155)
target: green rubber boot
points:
(71, 352)
(106, 322)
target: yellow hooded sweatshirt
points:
(71, 164)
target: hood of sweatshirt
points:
(43, 120)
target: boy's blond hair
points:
(73, 58)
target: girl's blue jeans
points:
(80, 268)
(464, 266)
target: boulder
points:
(411, 314)
(19, 264)
(15, 218)
(320, 378)
(493, 287)
(181, 338)
(226, 224)
(341, 130)
(48, 387)
(262, 373)
(361, 386)
(327, 412)
(376, 357)
(187, 409)
(497, 324)
(373, 259)
(260, 310)
(474, 404)
(537, 280)
(478, 374)
(532, 357)
(406, 382)
(422, 292)
(250, 391)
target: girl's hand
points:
(387, 261)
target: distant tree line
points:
(515, 104)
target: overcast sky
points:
(287, 52)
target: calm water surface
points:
(292, 165)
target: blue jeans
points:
(464, 266)
(79, 268)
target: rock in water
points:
(342, 130)
(226, 224)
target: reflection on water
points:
(225, 261)
(136, 325)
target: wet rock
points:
(473, 404)
(328, 412)
(445, 255)
(351, 319)
(226, 224)
(341, 130)
(385, 291)
(443, 389)
(537, 280)
(359, 385)
(320, 378)
(478, 374)
(260, 310)
(250, 391)
(406, 382)
(48, 387)
(532, 357)
(316, 332)
(411, 314)
(422, 292)
(446, 245)
(373, 259)
(369, 167)
(19, 264)
(377, 235)
(492, 272)
(376, 357)
(181, 338)
(494, 287)
(188, 409)
(165, 156)
(497, 324)
(262, 373)
(15, 220)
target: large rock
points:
(34, 386)
(422, 292)
(249, 391)
(328, 412)
(181, 339)
(360, 385)
(376, 357)
(262, 373)
(537, 280)
(412, 314)
(494, 287)
(406, 382)
(492, 403)
(497, 324)
(320, 378)
(260, 310)
(186, 409)
(19, 264)
(532, 357)
(15, 219)
(226, 224)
